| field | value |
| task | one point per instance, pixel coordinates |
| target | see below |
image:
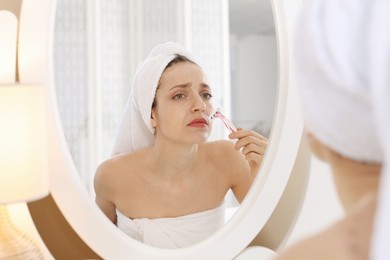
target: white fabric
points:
(173, 232)
(342, 52)
(331, 67)
(135, 130)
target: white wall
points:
(254, 79)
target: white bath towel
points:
(176, 232)
(342, 52)
(135, 130)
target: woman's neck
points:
(174, 159)
(354, 179)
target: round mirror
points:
(97, 48)
(92, 89)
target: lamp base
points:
(14, 244)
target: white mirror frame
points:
(106, 240)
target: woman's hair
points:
(178, 59)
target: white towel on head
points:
(331, 72)
(343, 63)
(135, 130)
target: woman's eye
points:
(179, 96)
(206, 95)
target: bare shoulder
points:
(111, 172)
(225, 154)
(109, 168)
(220, 146)
(348, 238)
(232, 165)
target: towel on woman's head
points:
(135, 130)
(331, 73)
(342, 52)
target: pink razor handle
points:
(229, 125)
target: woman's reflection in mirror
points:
(165, 184)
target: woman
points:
(342, 54)
(166, 184)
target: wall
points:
(254, 74)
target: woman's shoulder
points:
(106, 171)
(337, 241)
(115, 167)
(225, 152)
(112, 163)
(226, 145)
(225, 148)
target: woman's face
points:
(183, 104)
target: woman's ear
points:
(153, 120)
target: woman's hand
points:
(253, 146)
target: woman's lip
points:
(198, 122)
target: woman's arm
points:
(243, 160)
(104, 193)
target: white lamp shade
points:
(34, 40)
(23, 147)
(8, 40)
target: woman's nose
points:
(199, 104)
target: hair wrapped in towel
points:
(135, 130)
(343, 74)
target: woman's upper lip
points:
(199, 121)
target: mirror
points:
(97, 47)
(76, 205)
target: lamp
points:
(8, 35)
(23, 167)
(23, 145)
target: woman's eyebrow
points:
(184, 85)
(205, 85)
